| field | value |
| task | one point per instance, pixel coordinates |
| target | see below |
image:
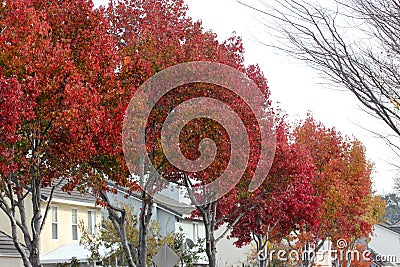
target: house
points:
(172, 213)
(59, 241)
(385, 245)
(9, 256)
(228, 254)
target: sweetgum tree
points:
(56, 61)
(151, 36)
(148, 37)
(343, 179)
(318, 188)
(284, 203)
(212, 211)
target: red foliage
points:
(151, 36)
(56, 63)
(343, 180)
(285, 202)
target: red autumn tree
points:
(150, 36)
(285, 202)
(214, 211)
(56, 59)
(343, 179)
(147, 34)
(363, 257)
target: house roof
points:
(172, 205)
(65, 253)
(7, 247)
(74, 196)
(395, 228)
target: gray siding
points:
(7, 245)
(165, 209)
(166, 221)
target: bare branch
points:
(365, 61)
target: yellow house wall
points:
(64, 212)
(5, 224)
(10, 261)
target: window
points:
(74, 213)
(54, 223)
(91, 222)
(195, 232)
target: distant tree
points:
(392, 211)
(343, 180)
(189, 253)
(396, 182)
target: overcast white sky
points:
(296, 87)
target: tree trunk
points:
(211, 250)
(261, 253)
(124, 238)
(17, 244)
(119, 225)
(210, 239)
(15, 200)
(125, 244)
(34, 257)
(262, 261)
(144, 220)
(34, 254)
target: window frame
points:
(54, 222)
(195, 228)
(91, 230)
(74, 224)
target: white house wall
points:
(64, 212)
(191, 228)
(385, 242)
(228, 255)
